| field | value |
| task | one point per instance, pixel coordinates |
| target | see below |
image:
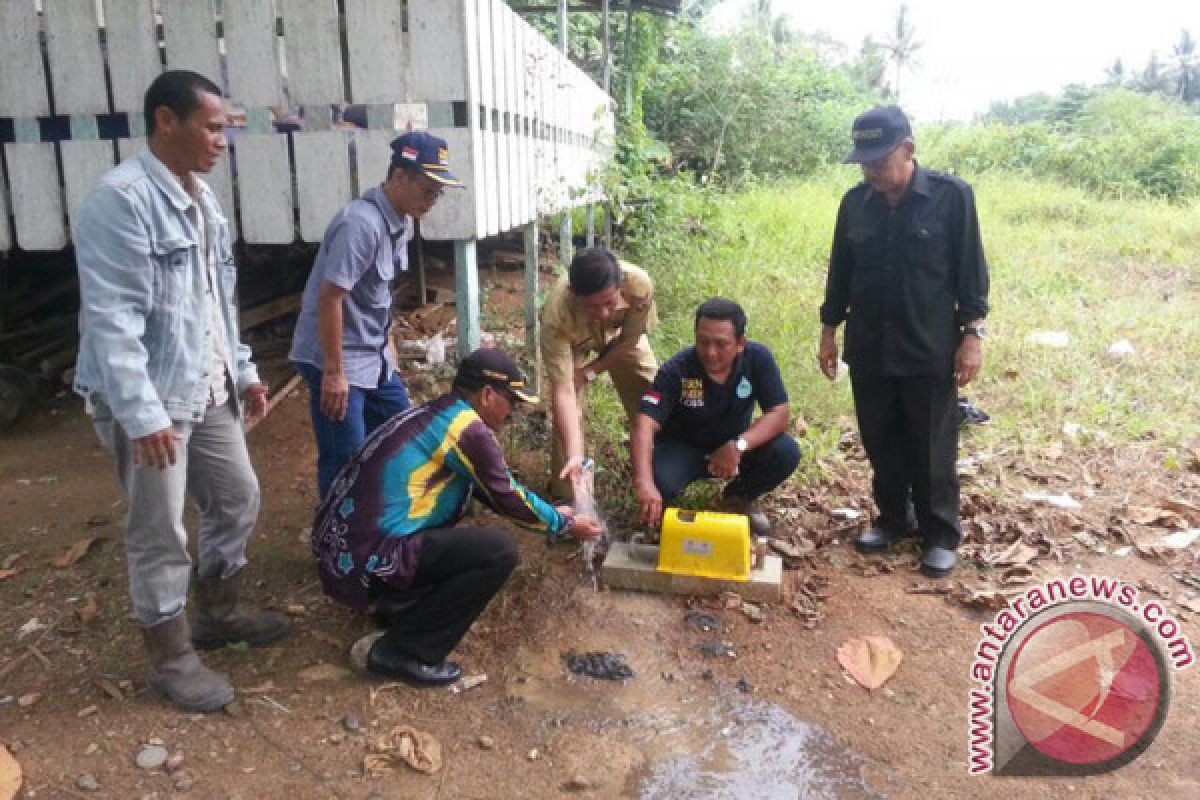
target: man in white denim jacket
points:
(167, 381)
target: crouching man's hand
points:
(581, 526)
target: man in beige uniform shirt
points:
(595, 321)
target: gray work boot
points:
(221, 619)
(760, 526)
(175, 670)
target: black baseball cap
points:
(427, 153)
(876, 133)
(491, 366)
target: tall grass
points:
(1061, 259)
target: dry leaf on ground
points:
(929, 588)
(1017, 575)
(870, 660)
(984, 599)
(407, 745)
(89, 612)
(1016, 554)
(10, 775)
(77, 551)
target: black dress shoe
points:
(384, 661)
(937, 562)
(875, 540)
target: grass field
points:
(1061, 260)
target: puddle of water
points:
(761, 752)
(695, 739)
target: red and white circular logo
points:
(1085, 688)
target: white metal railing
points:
(527, 129)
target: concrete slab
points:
(634, 566)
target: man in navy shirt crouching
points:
(695, 420)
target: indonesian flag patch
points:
(408, 153)
(652, 398)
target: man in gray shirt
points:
(168, 381)
(342, 343)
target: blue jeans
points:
(677, 463)
(366, 410)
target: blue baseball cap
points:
(876, 133)
(427, 153)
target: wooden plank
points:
(501, 53)
(373, 153)
(455, 215)
(313, 48)
(128, 148)
(84, 163)
(266, 312)
(293, 383)
(190, 31)
(251, 54)
(36, 198)
(376, 45)
(6, 240)
(634, 566)
(322, 179)
(512, 86)
(220, 180)
(489, 42)
(520, 115)
(265, 189)
(446, 33)
(73, 51)
(22, 80)
(133, 47)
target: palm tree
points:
(1185, 67)
(902, 45)
(1152, 80)
(1115, 74)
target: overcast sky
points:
(977, 52)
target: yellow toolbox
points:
(705, 543)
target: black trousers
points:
(909, 428)
(677, 463)
(459, 571)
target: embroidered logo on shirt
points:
(692, 394)
(744, 388)
(651, 398)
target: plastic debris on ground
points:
(403, 745)
(1050, 338)
(705, 622)
(971, 414)
(604, 666)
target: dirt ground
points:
(74, 703)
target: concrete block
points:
(634, 566)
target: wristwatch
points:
(978, 331)
(741, 444)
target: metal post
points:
(562, 26)
(422, 285)
(466, 295)
(565, 250)
(589, 216)
(532, 329)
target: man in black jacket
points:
(908, 275)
